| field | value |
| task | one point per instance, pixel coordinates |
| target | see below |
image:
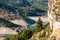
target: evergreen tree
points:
(26, 34)
(39, 25)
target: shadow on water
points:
(6, 23)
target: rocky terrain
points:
(25, 7)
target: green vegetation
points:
(25, 35)
(46, 32)
(39, 25)
(42, 35)
(42, 32)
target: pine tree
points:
(39, 25)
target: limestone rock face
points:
(54, 15)
(54, 9)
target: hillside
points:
(8, 24)
(25, 7)
(14, 14)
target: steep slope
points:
(42, 35)
(26, 7)
(6, 23)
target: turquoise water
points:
(32, 26)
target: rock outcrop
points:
(54, 16)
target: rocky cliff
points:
(54, 16)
